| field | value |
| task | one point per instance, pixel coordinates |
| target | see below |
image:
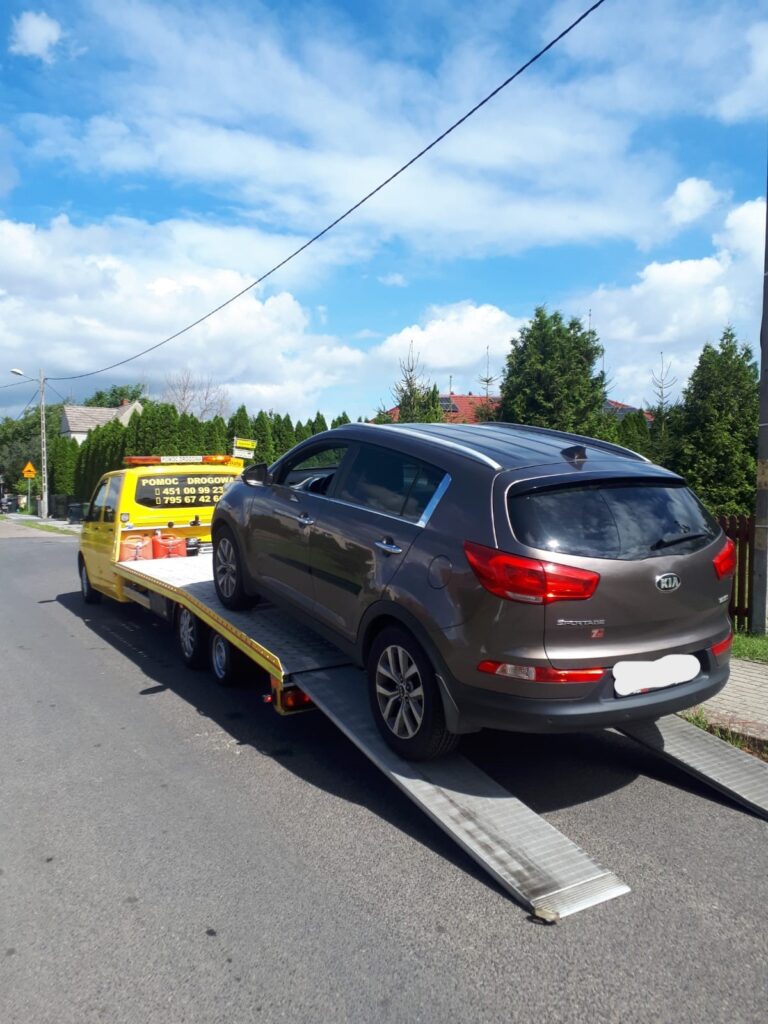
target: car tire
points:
(90, 596)
(405, 698)
(223, 660)
(191, 636)
(228, 572)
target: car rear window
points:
(181, 490)
(612, 521)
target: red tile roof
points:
(458, 408)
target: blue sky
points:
(157, 157)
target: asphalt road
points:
(172, 852)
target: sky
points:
(156, 158)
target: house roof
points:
(79, 419)
(456, 408)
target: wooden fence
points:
(741, 530)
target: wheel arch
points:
(385, 613)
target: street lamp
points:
(43, 444)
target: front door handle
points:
(388, 547)
(302, 520)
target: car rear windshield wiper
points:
(678, 538)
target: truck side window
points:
(97, 502)
(113, 495)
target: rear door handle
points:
(388, 547)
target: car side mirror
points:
(257, 474)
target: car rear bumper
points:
(486, 709)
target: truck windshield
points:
(180, 490)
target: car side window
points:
(97, 502)
(391, 482)
(111, 499)
(314, 470)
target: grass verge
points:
(750, 745)
(37, 526)
(750, 646)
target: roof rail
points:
(460, 449)
(593, 442)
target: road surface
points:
(172, 852)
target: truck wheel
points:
(405, 699)
(191, 636)
(228, 573)
(223, 660)
(90, 596)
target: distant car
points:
(494, 575)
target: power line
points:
(351, 210)
(15, 384)
(34, 396)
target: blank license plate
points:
(638, 676)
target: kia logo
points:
(669, 581)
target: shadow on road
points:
(546, 772)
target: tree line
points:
(550, 379)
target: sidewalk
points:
(62, 524)
(742, 706)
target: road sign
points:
(29, 472)
(243, 448)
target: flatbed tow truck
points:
(171, 574)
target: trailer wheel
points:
(90, 596)
(228, 572)
(191, 636)
(404, 696)
(223, 660)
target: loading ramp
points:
(529, 858)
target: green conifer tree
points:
(550, 379)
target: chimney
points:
(124, 402)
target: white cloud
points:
(91, 295)
(35, 34)
(452, 341)
(749, 97)
(393, 280)
(677, 306)
(285, 131)
(691, 200)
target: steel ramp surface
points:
(528, 857)
(740, 776)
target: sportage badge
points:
(669, 581)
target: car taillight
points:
(725, 560)
(722, 647)
(516, 578)
(541, 673)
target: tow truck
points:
(147, 540)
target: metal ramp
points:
(740, 776)
(528, 857)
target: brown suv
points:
(495, 576)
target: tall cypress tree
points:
(550, 378)
(215, 437)
(717, 450)
(239, 424)
(319, 424)
(262, 435)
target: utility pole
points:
(760, 562)
(43, 453)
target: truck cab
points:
(154, 507)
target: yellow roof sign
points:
(29, 472)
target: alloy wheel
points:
(226, 567)
(188, 634)
(399, 692)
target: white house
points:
(78, 420)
